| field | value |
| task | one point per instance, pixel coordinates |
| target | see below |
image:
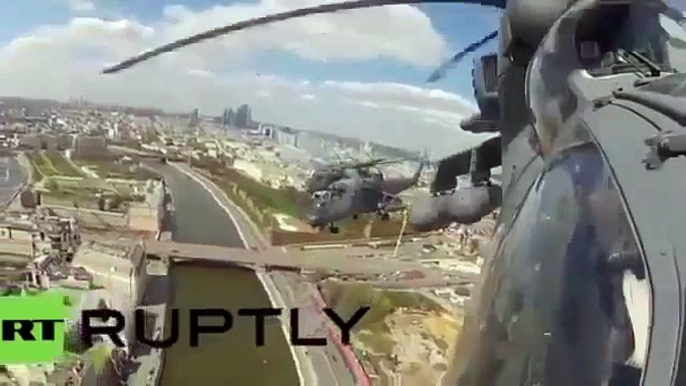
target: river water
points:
(231, 358)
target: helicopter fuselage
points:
(578, 270)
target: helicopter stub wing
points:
(449, 168)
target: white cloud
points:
(63, 61)
(351, 35)
(397, 94)
(202, 74)
(81, 5)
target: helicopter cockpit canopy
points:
(338, 189)
(599, 39)
(321, 196)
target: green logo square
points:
(30, 311)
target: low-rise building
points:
(90, 146)
(18, 231)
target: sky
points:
(358, 73)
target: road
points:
(326, 362)
(11, 177)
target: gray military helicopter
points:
(584, 280)
(356, 195)
(321, 179)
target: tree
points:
(73, 342)
(354, 297)
(100, 356)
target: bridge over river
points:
(277, 259)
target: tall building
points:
(243, 116)
(228, 117)
(195, 117)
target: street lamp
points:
(131, 286)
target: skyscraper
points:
(228, 117)
(195, 117)
(243, 116)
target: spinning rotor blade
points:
(375, 163)
(356, 164)
(440, 72)
(319, 9)
(364, 164)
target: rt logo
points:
(31, 328)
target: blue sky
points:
(386, 77)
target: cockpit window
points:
(567, 302)
(609, 37)
(641, 32)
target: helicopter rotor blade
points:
(371, 163)
(441, 71)
(319, 9)
(360, 164)
(338, 167)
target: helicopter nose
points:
(312, 219)
(315, 214)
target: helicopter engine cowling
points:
(469, 205)
(320, 180)
(464, 206)
(428, 214)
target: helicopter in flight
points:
(321, 179)
(358, 194)
(583, 281)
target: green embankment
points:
(239, 197)
(66, 184)
(109, 168)
(348, 298)
(60, 164)
(51, 164)
(372, 330)
(258, 200)
(41, 165)
(36, 174)
(265, 198)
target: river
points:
(230, 358)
